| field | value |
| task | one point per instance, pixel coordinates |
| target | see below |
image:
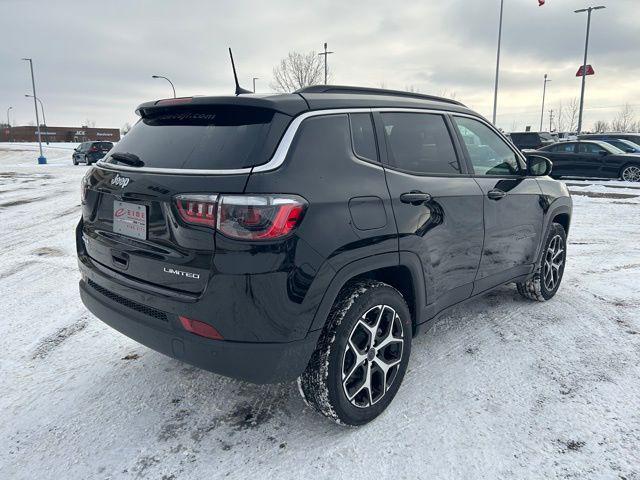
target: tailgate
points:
(131, 226)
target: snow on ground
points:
(499, 388)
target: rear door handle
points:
(415, 197)
(496, 194)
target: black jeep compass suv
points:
(311, 235)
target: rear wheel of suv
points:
(362, 355)
(546, 280)
(630, 173)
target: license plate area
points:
(130, 219)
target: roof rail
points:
(373, 91)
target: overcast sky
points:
(94, 60)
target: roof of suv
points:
(318, 97)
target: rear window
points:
(524, 137)
(218, 138)
(103, 145)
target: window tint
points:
(489, 154)
(592, 148)
(564, 148)
(205, 138)
(420, 143)
(364, 142)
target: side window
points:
(489, 154)
(363, 138)
(592, 148)
(563, 147)
(420, 143)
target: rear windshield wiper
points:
(128, 159)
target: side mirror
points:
(538, 166)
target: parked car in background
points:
(207, 235)
(531, 140)
(592, 158)
(624, 145)
(631, 137)
(90, 152)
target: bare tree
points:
(559, 118)
(446, 93)
(600, 126)
(298, 70)
(623, 122)
(89, 123)
(571, 115)
(412, 89)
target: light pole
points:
(544, 91)
(495, 89)
(174, 88)
(254, 83)
(584, 63)
(9, 123)
(325, 54)
(44, 118)
(41, 159)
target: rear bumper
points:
(253, 362)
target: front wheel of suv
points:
(362, 354)
(546, 280)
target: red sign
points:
(590, 71)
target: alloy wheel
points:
(553, 261)
(372, 356)
(631, 174)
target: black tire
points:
(546, 280)
(321, 384)
(631, 172)
(73, 159)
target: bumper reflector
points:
(200, 328)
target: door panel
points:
(512, 204)
(512, 226)
(445, 232)
(438, 209)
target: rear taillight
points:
(261, 217)
(197, 209)
(244, 217)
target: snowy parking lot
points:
(500, 387)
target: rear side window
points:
(103, 145)
(213, 138)
(364, 140)
(420, 143)
(563, 148)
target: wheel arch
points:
(628, 164)
(403, 271)
(559, 212)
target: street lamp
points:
(584, 63)
(44, 118)
(495, 88)
(254, 83)
(544, 91)
(174, 88)
(41, 159)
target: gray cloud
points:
(94, 60)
